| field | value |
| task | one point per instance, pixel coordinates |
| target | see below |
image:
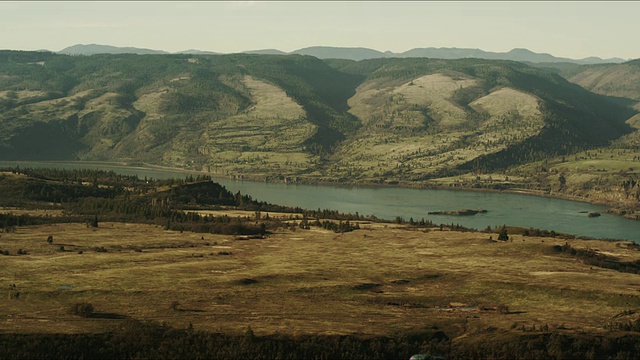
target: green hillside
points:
(260, 115)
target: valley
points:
(96, 257)
(417, 180)
(426, 123)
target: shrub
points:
(503, 234)
(247, 281)
(83, 309)
(175, 305)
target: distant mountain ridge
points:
(361, 53)
(522, 55)
(93, 49)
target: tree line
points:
(147, 340)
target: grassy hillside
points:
(162, 109)
(274, 116)
(620, 80)
(427, 118)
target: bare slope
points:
(268, 133)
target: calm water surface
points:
(388, 203)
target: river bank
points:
(506, 187)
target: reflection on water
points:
(388, 203)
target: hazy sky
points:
(572, 29)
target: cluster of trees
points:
(595, 258)
(9, 221)
(216, 225)
(340, 227)
(631, 325)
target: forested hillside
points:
(267, 116)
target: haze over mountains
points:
(359, 53)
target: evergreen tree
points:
(503, 234)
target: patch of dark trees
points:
(110, 193)
(551, 345)
(143, 340)
(628, 326)
(338, 227)
(594, 258)
(83, 195)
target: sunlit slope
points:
(417, 129)
(268, 134)
(424, 118)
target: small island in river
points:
(461, 212)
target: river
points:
(390, 202)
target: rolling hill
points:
(281, 116)
(619, 81)
(468, 114)
(171, 109)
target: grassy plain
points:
(381, 279)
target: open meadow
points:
(382, 279)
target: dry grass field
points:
(381, 279)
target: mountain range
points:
(359, 53)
